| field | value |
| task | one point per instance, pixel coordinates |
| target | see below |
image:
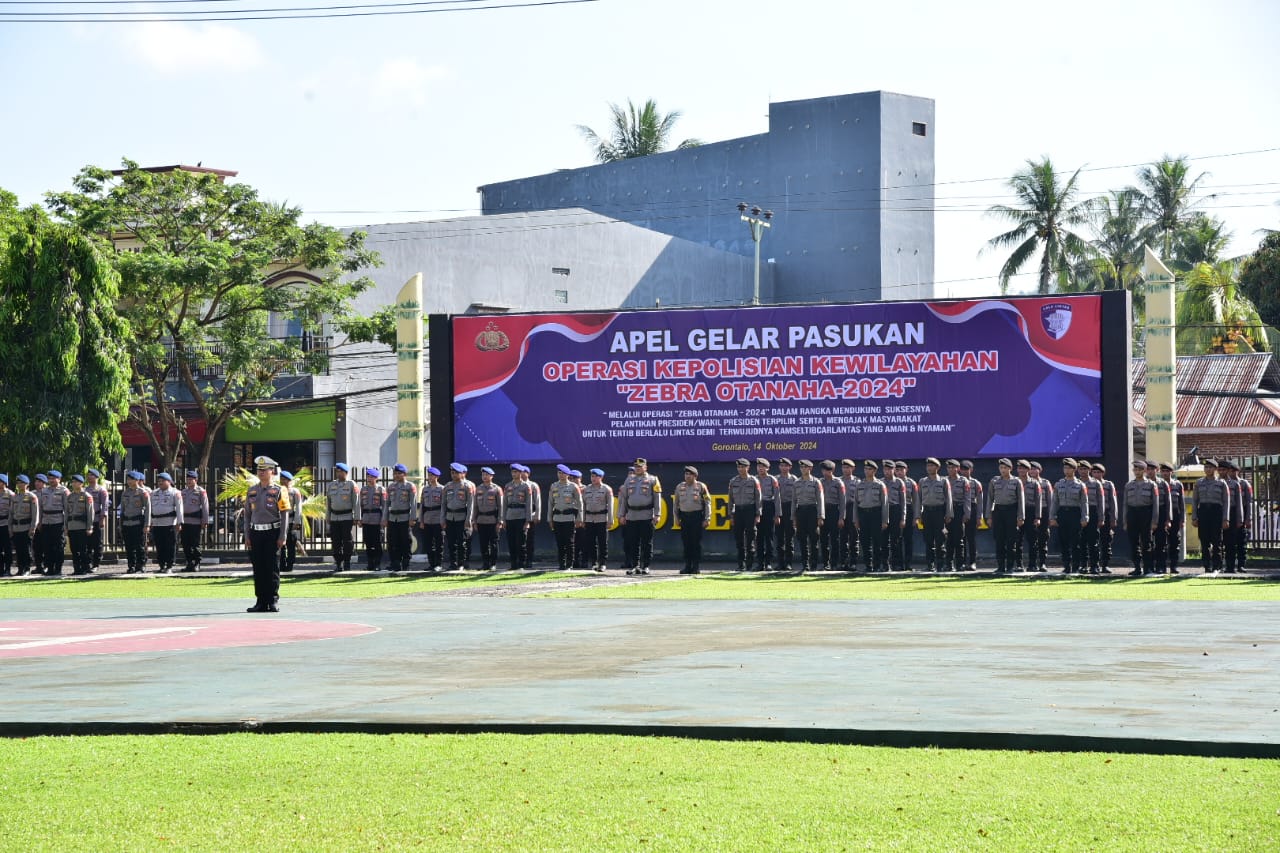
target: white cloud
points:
(173, 47)
(404, 83)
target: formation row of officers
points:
(806, 521)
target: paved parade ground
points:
(1159, 676)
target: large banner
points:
(989, 377)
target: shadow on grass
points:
(916, 579)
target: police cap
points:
(871, 463)
(828, 465)
(760, 460)
(1102, 469)
(23, 478)
(286, 475)
(342, 466)
(433, 470)
(1084, 463)
(597, 472)
(743, 463)
(372, 472)
(887, 464)
(1036, 466)
(266, 462)
(805, 463)
(563, 468)
(784, 461)
(1068, 462)
(1209, 463)
(953, 463)
(137, 475)
(191, 472)
(42, 478)
(966, 465)
(641, 461)
(1139, 463)
(166, 476)
(487, 470)
(95, 472)
(515, 466)
(1005, 462)
(1022, 463)
(458, 467)
(574, 472)
(1229, 465)
(689, 469)
(56, 473)
(4, 478)
(79, 478)
(848, 462)
(900, 464)
(1165, 466)
(401, 468)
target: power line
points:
(379, 9)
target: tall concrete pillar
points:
(1162, 362)
(410, 399)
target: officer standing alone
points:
(266, 517)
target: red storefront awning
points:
(133, 436)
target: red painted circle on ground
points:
(46, 638)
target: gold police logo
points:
(492, 339)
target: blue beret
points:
(23, 478)
(401, 468)
(525, 468)
(192, 472)
(598, 472)
(575, 473)
(95, 472)
(516, 466)
(563, 468)
(134, 475)
(55, 473)
(486, 470)
(285, 475)
(164, 475)
(434, 470)
(458, 466)
(372, 472)
(342, 466)
(79, 478)
(4, 478)
(42, 478)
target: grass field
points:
(508, 792)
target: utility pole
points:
(757, 223)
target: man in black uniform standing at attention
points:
(266, 518)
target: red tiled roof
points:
(1239, 376)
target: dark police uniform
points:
(744, 512)
(872, 499)
(809, 508)
(770, 510)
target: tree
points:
(1260, 278)
(63, 356)
(634, 133)
(1201, 240)
(1047, 210)
(1214, 315)
(203, 265)
(1168, 199)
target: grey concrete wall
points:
(844, 175)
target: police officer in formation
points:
(519, 507)
(1006, 510)
(961, 506)
(342, 506)
(693, 508)
(1236, 536)
(1070, 515)
(872, 520)
(1109, 511)
(293, 533)
(266, 520)
(80, 512)
(101, 507)
(195, 518)
(166, 518)
(24, 515)
(809, 508)
(744, 513)
(1034, 497)
(53, 517)
(373, 507)
(848, 549)
(786, 514)
(1169, 536)
(1211, 510)
(770, 510)
(489, 498)
(935, 508)
(597, 517)
(900, 496)
(459, 515)
(976, 503)
(639, 508)
(135, 521)
(430, 520)
(402, 503)
(6, 540)
(835, 515)
(1143, 514)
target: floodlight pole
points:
(757, 222)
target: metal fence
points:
(1263, 473)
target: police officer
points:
(961, 507)
(848, 551)
(770, 509)
(37, 537)
(786, 516)
(1006, 513)
(135, 521)
(402, 500)
(1108, 513)
(1089, 536)
(1033, 508)
(24, 515)
(80, 512)
(1070, 515)
(809, 509)
(564, 514)
(693, 508)
(490, 499)
(195, 517)
(535, 513)
(1141, 514)
(166, 517)
(639, 508)
(516, 504)
(373, 507)
(579, 536)
(744, 513)
(1175, 517)
(53, 515)
(431, 519)
(902, 542)
(342, 503)
(872, 498)
(976, 502)
(934, 506)
(597, 516)
(1046, 515)
(266, 518)
(6, 542)
(293, 532)
(1236, 535)
(834, 513)
(459, 515)
(101, 506)
(1210, 514)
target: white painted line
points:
(93, 638)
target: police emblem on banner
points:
(1056, 319)
(492, 339)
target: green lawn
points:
(554, 792)
(941, 588)
(324, 586)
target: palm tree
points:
(1044, 217)
(1168, 198)
(1214, 315)
(1201, 239)
(1117, 260)
(634, 133)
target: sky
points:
(365, 120)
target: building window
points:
(559, 270)
(562, 296)
(918, 128)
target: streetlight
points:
(757, 224)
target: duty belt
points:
(596, 516)
(492, 515)
(516, 506)
(131, 520)
(455, 516)
(395, 516)
(639, 506)
(564, 516)
(155, 515)
(261, 527)
(343, 514)
(51, 515)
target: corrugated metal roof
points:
(1235, 373)
(1217, 413)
